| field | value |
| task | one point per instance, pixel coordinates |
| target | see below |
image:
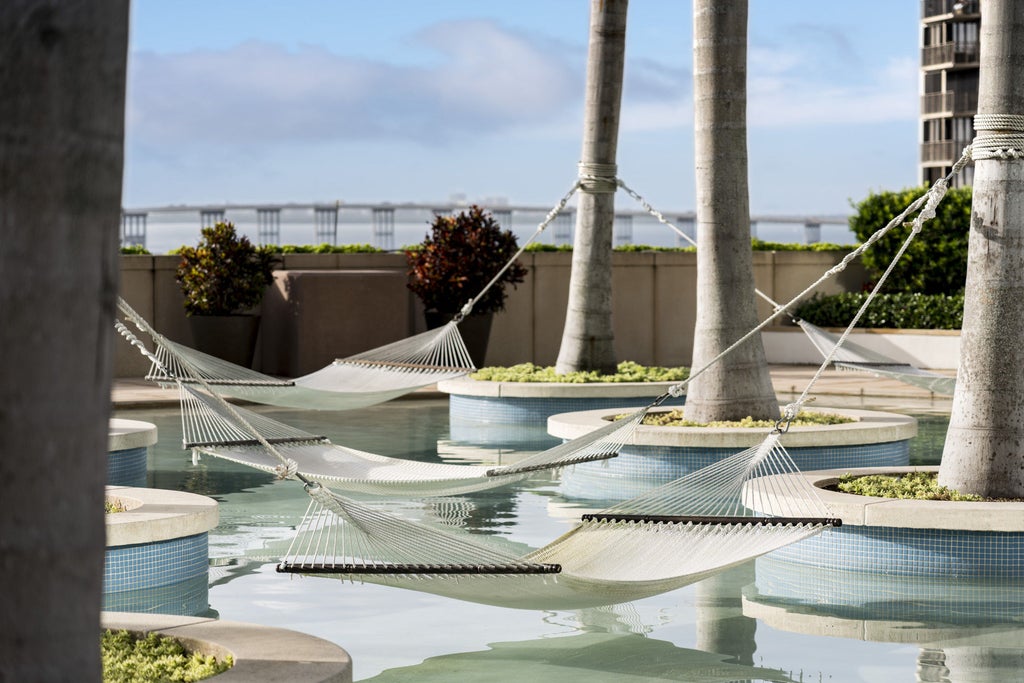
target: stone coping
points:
(125, 434)
(870, 511)
(262, 654)
(882, 631)
(870, 426)
(464, 386)
(158, 515)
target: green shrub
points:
(534, 247)
(627, 371)
(936, 261)
(130, 659)
(136, 249)
(894, 311)
(761, 245)
(225, 274)
(326, 248)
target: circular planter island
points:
(515, 414)
(912, 538)
(128, 450)
(655, 455)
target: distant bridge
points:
(324, 219)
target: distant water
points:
(169, 230)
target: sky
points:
(310, 101)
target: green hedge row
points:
(896, 311)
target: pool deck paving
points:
(788, 380)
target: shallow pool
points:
(742, 625)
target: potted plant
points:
(459, 257)
(223, 280)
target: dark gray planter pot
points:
(228, 337)
(475, 331)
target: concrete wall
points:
(323, 306)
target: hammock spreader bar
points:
(710, 520)
(156, 377)
(274, 441)
(432, 569)
(590, 457)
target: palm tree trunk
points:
(740, 384)
(587, 338)
(62, 85)
(984, 449)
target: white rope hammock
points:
(852, 356)
(210, 429)
(357, 381)
(728, 513)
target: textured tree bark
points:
(587, 338)
(738, 385)
(62, 85)
(984, 449)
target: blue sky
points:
(261, 101)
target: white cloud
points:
(487, 80)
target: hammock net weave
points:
(852, 356)
(238, 435)
(739, 508)
(357, 381)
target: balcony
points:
(950, 54)
(935, 9)
(942, 151)
(949, 103)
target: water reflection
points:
(967, 630)
(756, 623)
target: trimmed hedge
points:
(896, 311)
(936, 261)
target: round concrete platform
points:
(868, 427)
(127, 434)
(261, 653)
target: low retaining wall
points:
(653, 305)
(926, 349)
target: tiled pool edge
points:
(157, 556)
(927, 538)
(262, 654)
(128, 449)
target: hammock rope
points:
(929, 201)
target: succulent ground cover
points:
(627, 371)
(128, 658)
(674, 418)
(916, 485)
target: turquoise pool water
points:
(760, 622)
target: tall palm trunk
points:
(739, 385)
(62, 84)
(984, 449)
(587, 339)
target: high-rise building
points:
(949, 85)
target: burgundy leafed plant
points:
(460, 255)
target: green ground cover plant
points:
(674, 418)
(112, 505)
(130, 659)
(326, 248)
(916, 485)
(627, 371)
